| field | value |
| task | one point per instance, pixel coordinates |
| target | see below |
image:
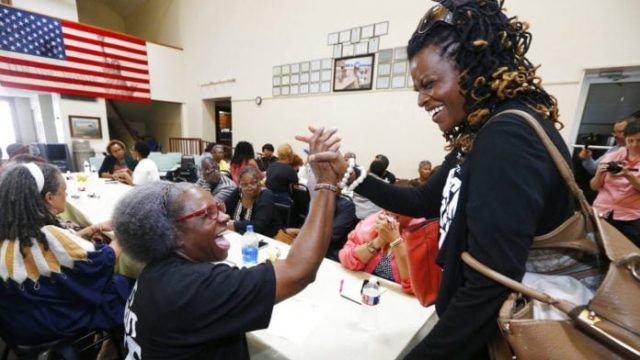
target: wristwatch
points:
(372, 249)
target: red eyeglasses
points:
(211, 211)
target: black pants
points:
(630, 228)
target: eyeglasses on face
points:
(211, 211)
(435, 15)
(251, 185)
(210, 170)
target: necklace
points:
(238, 211)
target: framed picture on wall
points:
(353, 73)
(85, 127)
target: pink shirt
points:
(365, 231)
(617, 194)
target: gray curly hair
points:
(144, 220)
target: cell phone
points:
(262, 244)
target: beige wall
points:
(165, 122)
(153, 21)
(243, 39)
(97, 13)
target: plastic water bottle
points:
(250, 246)
(370, 301)
(87, 167)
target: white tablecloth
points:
(320, 324)
(96, 202)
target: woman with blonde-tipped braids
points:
(497, 187)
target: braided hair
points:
(489, 50)
(24, 211)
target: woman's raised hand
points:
(326, 162)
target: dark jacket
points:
(506, 191)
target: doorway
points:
(223, 121)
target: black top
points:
(264, 163)
(505, 192)
(280, 176)
(344, 221)
(389, 176)
(109, 163)
(264, 217)
(184, 310)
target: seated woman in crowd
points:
(281, 176)
(184, 306)
(146, 171)
(619, 187)
(54, 283)
(118, 164)
(375, 246)
(242, 156)
(424, 171)
(252, 204)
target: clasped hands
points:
(325, 160)
(388, 229)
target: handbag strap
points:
(483, 269)
(558, 159)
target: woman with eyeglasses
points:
(252, 204)
(184, 304)
(497, 187)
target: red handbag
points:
(421, 241)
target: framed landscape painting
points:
(85, 127)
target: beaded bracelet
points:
(327, 186)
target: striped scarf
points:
(64, 249)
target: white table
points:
(96, 203)
(318, 323)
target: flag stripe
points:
(22, 69)
(70, 69)
(106, 39)
(72, 91)
(107, 65)
(106, 54)
(98, 53)
(71, 36)
(72, 65)
(100, 60)
(65, 79)
(20, 80)
(94, 30)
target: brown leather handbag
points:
(609, 326)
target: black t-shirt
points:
(280, 176)
(184, 310)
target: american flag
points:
(45, 54)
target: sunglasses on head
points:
(434, 16)
(211, 211)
